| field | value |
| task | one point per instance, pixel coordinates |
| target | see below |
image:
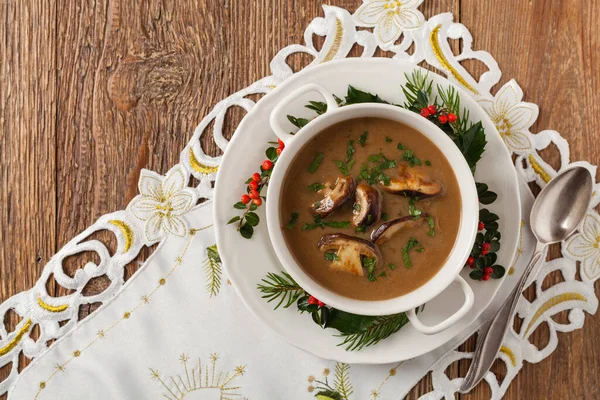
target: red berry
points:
(470, 260)
(312, 300)
(488, 271)
(256, 177)
(281, 144)
(432, 110)
(486, 246)
(253, 185)
(480, 226)
(267, 165)
(246, 199)
(253, 194)
(452, 118)
(443, 119)
(320, 303)
(278, 151)
(485, 277)
(425, 112)
(257, 201)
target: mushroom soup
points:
(373, 208)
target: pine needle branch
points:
(280, 287)
(212, 267)
(381, 328)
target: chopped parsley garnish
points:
(410, 157)
(344, 167)
(369, 263)
(431, 223)
(428, 163)
(412, 243)
(317, 204)
(401, 146)
(350, 151)
(293, 220)
(391, 266)
(412, 210)
(315, 187)
(384, 217)
(315, 163)
(363, 138)
(356, 207)
(330, 256)
(388, 139)
(361, 228)
(382, 275)
(320, 223)
(375, 174)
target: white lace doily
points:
(396, 28)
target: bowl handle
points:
(464, 309)
(277, 111)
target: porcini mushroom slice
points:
(349, 250)
(367, 205)
(390, 228)
(412, 183)
(343, 190)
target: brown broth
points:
(445, 208)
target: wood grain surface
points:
(93, 91)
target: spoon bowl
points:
(561, 205)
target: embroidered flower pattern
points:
(389, 18)
(161, 203)
(512, 117)
(585, 246)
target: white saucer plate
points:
(246, 262)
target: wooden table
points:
(93, 91)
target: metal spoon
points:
(556, 213)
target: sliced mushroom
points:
(367, 206)
(412, 183)
(349, 250)
(390, 228)
(343, 190)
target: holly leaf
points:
(299, 122)
(499, 271)
(472, 144)
(476, 275)
(347, 322)
(356, 96)
(246, 231)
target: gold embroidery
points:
(376, 392)
(199, 167)
(126, 231)
(510, 354)
(337, 41)
(561, 298)
(193, 379)
(20, 333)
(520, 249)
(538, 169)
(51, 308)
(434, 40)
(103, 332)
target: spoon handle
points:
(492, 335)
